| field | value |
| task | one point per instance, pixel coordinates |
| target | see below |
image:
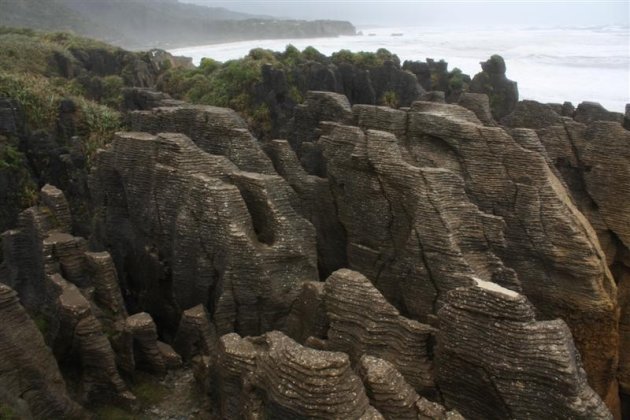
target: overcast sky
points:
(463, 12)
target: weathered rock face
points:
(81, 337)
(30, 381)
(147, 352)
(308, 319)
(195, 335)
(317, 107)
(594, 162)
(316, 205)
(363, 322)
(547, 237)
(188, 228)
(411, 249)
(588, 112)
(480, 105)
(219, 131)
(503, 93)
(49, 268)
(447, 199)
(489, 362)
(532, 114)
(273, 376)
(393, 397)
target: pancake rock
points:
(81, 336)
(550, 245)
(308, 318)
(448, 199)
(594, 162)
(195, 335)
(304, 132)
(273, 376)
(393, 397)
(145, 338)
(30, 381)
(362, 322)
(425, 235)
(316, 205)
(185, 228)
(495, 361)
(218, 131)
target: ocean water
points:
(550, 65)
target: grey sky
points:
(462, 12)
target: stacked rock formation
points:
(75, 297)
(489, 363)
(189, 228)
(501, 214)
(394, 397)
(590, 154)
(362, 323)
(274, 376)
(30, 381)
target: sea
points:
(550, 64)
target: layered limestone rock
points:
(75, 296)
(81, 336)
(594, 162)
(393, 397)
(495, 361)
(588, 112)
(425, 235)
(146, 350)
(195, 335)
(532, 114)
(273, 376)
(308, 318)
(104, 278)
(30, 381)
(363, 322)
(185, 228)
(478, 103)
(550, 245)
(304, 132)
(316, 205)
(55, 201)
(449, 199)
(218, 131)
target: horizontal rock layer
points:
(187, 228)
(495, 361)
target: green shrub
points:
(363, 58)
(456, 80)
(112, 91)
(390, 99)
(38, 98)
(311, 53)
(97, 125)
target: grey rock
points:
(30, 380)
(495, 361)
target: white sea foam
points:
(550, 65)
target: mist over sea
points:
(550, 65)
